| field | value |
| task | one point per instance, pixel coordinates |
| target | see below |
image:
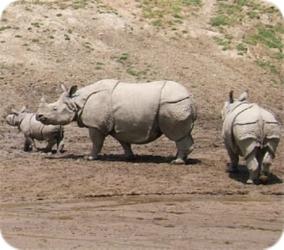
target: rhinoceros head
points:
(60, 112)
(232, 103)
(14, 118)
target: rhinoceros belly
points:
(134, 108)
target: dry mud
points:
(65, 202)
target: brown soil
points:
(66, 202)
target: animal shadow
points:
(242, 175)
(121, 158)
(145, 159)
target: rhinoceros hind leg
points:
(234, 158)
(184, 147)
(266, 163)
(127, 150)
(60, 147)
(50, 145)
(252, 165)
(97, 139)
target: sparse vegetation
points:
(266, 35)
(241, 48)
(259, 36)
(267, 65)
(5, 28)
(163, 13)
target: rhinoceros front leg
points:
(28, 145)
(184, 147)
(97, 139)
(127, 150)
(252, 165)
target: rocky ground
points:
(66, 202)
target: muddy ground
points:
(66, 202)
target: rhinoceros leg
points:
(97, 139)
(127, 150)
(265, 167)
(28, 146)
(253, 167)
(50, 144)
(60, 146)
(234, 161)
(184, 147)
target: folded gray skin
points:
(251, 132)
(131, 113)
(35, 130)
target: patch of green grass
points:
(123, 57)
(220, 20)
(79, 4)
(36, 24)
(224, 42)
(163, 13)
(241, 48)
(266, 35)
(267, 65)
(5, 28)
(66, 37)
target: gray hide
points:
(252, 132)
(133, 113)
(35, 130)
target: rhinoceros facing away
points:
(35, 130)
(131, 113)
(252, 132)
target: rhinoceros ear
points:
(23, 109)
(231, 96)
(243, 96)
(14, 111)
(63, 87)
(42, 99)
(72, 90)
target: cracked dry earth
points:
(65, 202)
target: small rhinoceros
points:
(131, 113)
(252, 132)
(35, 130)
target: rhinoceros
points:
(133, 113)
(35, 130)
(252, 132)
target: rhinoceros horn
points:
(231, 96)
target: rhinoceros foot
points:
(263, 179)
(232, 169)
(91, 158)
(178, 161)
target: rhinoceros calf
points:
(35, 130)
(252, 132)
(131, 113)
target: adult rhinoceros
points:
(252, 132)
(131, 113)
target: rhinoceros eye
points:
(55, 108)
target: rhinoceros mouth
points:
(41, 118)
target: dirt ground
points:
(66, 202)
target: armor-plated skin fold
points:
(35, 130)
(251, 132)
(131, 113)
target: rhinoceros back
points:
(36, 130)
(256, 127)
(134, 108)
